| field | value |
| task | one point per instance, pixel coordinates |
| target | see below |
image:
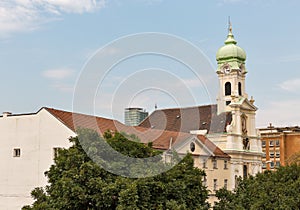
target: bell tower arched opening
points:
(227, 89)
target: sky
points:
(46, 47)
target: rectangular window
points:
(245, 171)
(215, 184)
(225, 164)
(277, 164)
(263, 143)
(215, 165)
(271, 154)
(264, 154)
(204, 181)
(271, 164)
(55, 152)
(264, 165)
(277, 143)
(277, 154)
(204, 163)
(225, 183)
(17, 152)
(271, 143)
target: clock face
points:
(226, 69)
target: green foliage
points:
(269, 190)
(77, 182)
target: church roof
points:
(160, 138)
(187, 119)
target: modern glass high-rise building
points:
(133, 116)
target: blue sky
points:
(45, 44)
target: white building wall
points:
(35, 135)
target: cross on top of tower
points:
(229, 25)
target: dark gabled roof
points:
(160, 138)
(187, 119)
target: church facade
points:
(230, 124)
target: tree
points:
(269, 190)
(77, 182)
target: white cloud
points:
(24, 15)
(63, 87)
(58, 74)
(58, 79)
(292, 85)
(72, 6)
(279, 113)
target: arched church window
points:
(227, 89)
(240, 88)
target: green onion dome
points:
(230, 50)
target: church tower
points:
(241, 140)
(231, 72)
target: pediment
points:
(199, 148)
(244, 104)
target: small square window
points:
(17, 152)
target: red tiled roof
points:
(76, 120)
(187, 119)
(212, 147)
(160, 138)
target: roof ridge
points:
(71, 112)
(188, 107)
